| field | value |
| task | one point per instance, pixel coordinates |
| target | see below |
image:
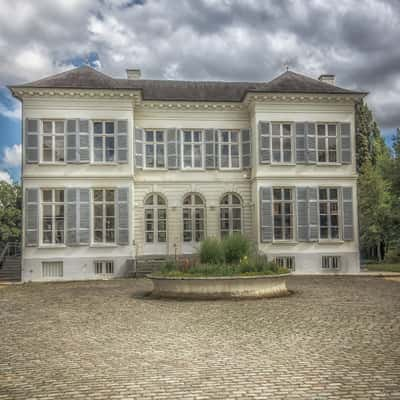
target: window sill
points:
(147, 169)
(106, 163)
(333, 241)
(50, 164)
(104, 245)
(52, 246)
(285, 242)
(287, 164)
(329, 164)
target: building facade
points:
(119, 169)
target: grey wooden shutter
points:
(311, 143)
(84, 216)
(173, 148)
(246, 147)
(264, 135)
(209, 140)
(32, 141)
(72, 140)
(122, 141)
(312, 194)
(302, 215)
(123, 216)
(347, 204)
(31, 217)
(266, 214)
(83, 144)
(345, 143)
(72, 216)
(139, 139)
(301, 139)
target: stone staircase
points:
(149, 264)
(10, 263)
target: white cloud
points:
(5, 176)
(12, 155)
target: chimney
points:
(328, 78)
(133, 73)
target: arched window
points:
(230, 216)
(193, 212)
(155, 219)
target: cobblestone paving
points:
(334, 338)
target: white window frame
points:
(103, 136)
(104, 203)
(155, 207)
(154, 143)
(53, 204)
(282, 215)
(328, 214)
(281, 137)
(288, 262)
(230, 206)
(192, 208)
(53, 134)
(56, 266)
(229, 143)
(192, 143)
(331, 262)
(103, 267)
(326, 137)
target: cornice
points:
(192, 106)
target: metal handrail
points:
(11, 249)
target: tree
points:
(10, 212)
(374, 209)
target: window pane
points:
(331, 130)
(235, 199)
(47, 195)
(197, 136)
(98, 127)
(323, 194)
(59, 126)
(149, 136)
(234, 137)
(110, 195)
(286, 128)
(333, 194)
(160, 156)
(321, 130)
(109, 127)
(98, 195)
(287, 194)
(47, 127)
(187, 135)
(225, 136)
(160, 136)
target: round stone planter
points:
(224, 287)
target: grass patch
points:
(384, 267)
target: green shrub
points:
(211, 251)
(168, 267)
(392, 256)
(235, 248)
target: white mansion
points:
(118, 169)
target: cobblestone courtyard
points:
(334, 338)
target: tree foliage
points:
(10, 212)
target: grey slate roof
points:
(88, 78)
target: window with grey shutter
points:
(139, 137)
(72, 138)
(301, 139)
(345, 142)
(312, 194)
(266, 214)
(84, 215)
(302, 215)
(264, 142)
(31, 141)
(31, 216)
(246, 147)
(347, 204)
(122, 141)
(72, 216)
(310, 143)
(173, 148)
(210, 144)
(83, 144)
(123, 215)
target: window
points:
(154, 149)
(104, 215)
(193, 218)
(229, 149)
(155, 219)
(53, 216)
(104, 267)
(104, 141)
(328, 213)
(327, 142)
(281, 142)
(287, 262)
(230, 215)
(192, 149)
(330, 262)
(52, 269)
(283, 213)
(53, 141)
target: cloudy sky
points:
(358, 40)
